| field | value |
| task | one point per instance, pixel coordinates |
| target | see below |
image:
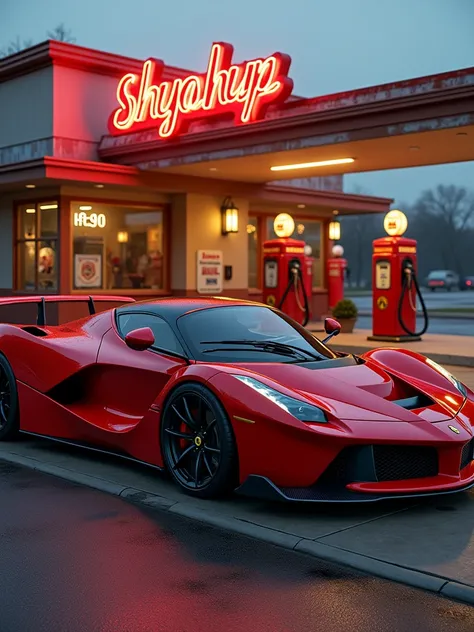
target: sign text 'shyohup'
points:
(243, 91)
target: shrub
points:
(345, 309)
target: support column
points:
(196, 225)
(6, 245)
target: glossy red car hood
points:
(364, 391)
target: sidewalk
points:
(434, 313)
(445, 349)
(427, 543)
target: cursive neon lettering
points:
(243, 91)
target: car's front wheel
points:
(198, 444)
(9, 424)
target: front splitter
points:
(262, 488)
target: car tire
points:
(9, 413)
(197, 442)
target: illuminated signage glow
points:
(283, 225)
(395, 223)
(91, 220)
(243, 91)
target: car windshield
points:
(248, 333)
(438, 274)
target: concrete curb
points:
(372, 566)
(400, 574)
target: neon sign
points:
(242, 91)
(93, 220)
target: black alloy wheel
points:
(198, 444)
(8, 402)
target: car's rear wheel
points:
(198, 443)
(9, 424)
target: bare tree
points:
(15, 46)
(358, 232)
(452, 205)
(61, 34)
(443, 223)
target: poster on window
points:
(87, 271)
(209, 271)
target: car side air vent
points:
(411, 403)
(35, 331)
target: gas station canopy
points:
(424, 121)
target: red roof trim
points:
(64, 54)
(90, 165)
(295, 118)
(349, 200)
(99, 172)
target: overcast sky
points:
(335, 45)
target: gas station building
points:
(128, 177)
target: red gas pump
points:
(395, 285)
(337, 266)
(309, 260)
(286, 279)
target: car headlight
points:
(459, 385)
(295, 407)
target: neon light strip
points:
(308, 165)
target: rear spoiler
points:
(62, 298)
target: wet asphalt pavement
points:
(74, 559)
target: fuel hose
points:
(294, 282)
(405, 289)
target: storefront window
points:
(37, 246)
(309, 231)
(253, 254)
(117, 247)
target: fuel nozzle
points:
(408, 268)
(295, 268)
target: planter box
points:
(347, 325)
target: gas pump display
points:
(395, 285)
(271, 273)
(382, 275)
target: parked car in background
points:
(467, 283)
(443, 280)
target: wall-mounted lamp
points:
(334, 230)
(122, 237)
(230, 217)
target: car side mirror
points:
(140, 339)
(332, 327)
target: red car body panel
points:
(276, 438)
(81, 382)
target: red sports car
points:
(227, 394)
